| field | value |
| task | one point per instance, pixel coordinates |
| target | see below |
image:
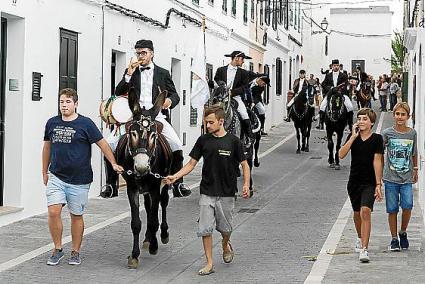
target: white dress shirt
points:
(231, 73)
(335, 78)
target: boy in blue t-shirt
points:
(67, 171)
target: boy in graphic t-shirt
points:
(400, 172)
(222, 153)
(67, 171)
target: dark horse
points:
(364, 95)
(232, 122)
(302, 118)
(336, 119)
(146, 157)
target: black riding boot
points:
(247, 130)
(350, 117)
(111, 187)
(180, 189)
(262, 118)
(321, 120)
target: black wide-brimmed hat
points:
(335, 61)
(144, 43)
(238, 53)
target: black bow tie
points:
(143, 68)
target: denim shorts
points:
(59, 192)
(215, 212)
(398, 195)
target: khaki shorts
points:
(215, 211)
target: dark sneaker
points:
(181, 190)
(75, 258)
(404, 242)
(394, 245)
(56, 257)
(287, 119)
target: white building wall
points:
(374, 50)
(33, 46)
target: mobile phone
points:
(357, 129)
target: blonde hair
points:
(402, 105)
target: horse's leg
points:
(153, 221)
(136, 223)
(307, 147)
(329, 133)
(303, 136)
(339, 136)
(148, 204)
(298, 138)
(164, 225)
(256, 148)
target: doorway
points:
(3, 44)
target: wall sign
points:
(13, 85)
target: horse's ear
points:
(159, 102)
(133, 102)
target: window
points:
(299, 17)
(295, 12)
(245, 11)
(251, 66)
(68, 59)
(267, 88)
(280, 12)
(224, 7)
(278, 77)
(234, 8)
(261, 13)
(267, 12)
(275, 14)
(252, 11)
(291, 14)
(285, 14)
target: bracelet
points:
(415, 168)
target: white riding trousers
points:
(241, 108)
(260, 108)
(347, 103)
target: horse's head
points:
(336, 106)
(220, 93)
(142, 134)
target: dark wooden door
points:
(68, 59)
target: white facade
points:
(373, 20)
(33, 45)
(414, 39)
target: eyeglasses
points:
(141, 53)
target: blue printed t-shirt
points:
(70, 150)
(401, 147)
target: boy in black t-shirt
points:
(222, 153)
(364, 184)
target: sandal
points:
(205, 271)
(228, 256)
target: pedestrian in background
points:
(394, 88)
(400, 172)
(364, 184)
(383, 92)
(222, 153)
(67, 171)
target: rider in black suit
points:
(239, 83)
(160, 80)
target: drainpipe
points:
(101, 88)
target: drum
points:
(115, 110)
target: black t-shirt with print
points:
(222, 156)
(362, 155)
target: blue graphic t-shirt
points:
(70, 150)
(400, 148)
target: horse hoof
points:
(256, 163)
(332, 166)
(165, 240)
(337, 167)
(307, 150)
(133, 263)
(146, 245)
(153, 251)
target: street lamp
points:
(323, 25)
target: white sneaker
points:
(358, 246)
(364, 255)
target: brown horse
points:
(364, 95)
